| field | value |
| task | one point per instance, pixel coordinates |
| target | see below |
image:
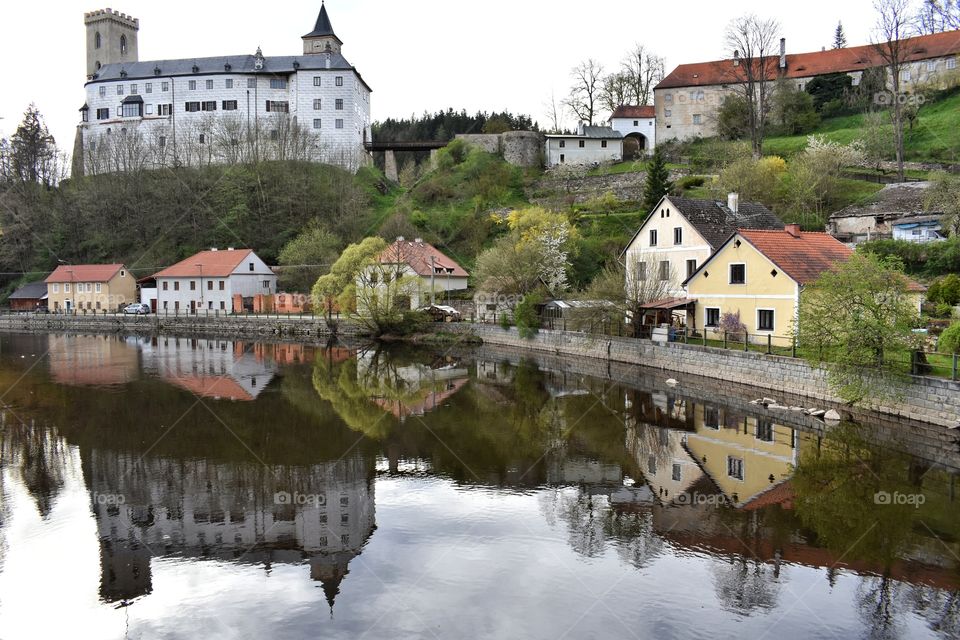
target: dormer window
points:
(156, 71)
(227, 67)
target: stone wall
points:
(932, 400)
(519, 148)
(552, 189)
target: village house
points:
(589, 145)
(90, 288)
(680, 234)
(426, 269)
(637, 123)
(761, 274)
(30, 297)
(687, 100)
(897, 211)
(221, 281)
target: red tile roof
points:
(217, 387)
(417, 255)
(84, 273)
(216, 264)
(802, 257)
(634, 111)
(803, 65)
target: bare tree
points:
(643, 70)
(584, 98)
(628, 287)
(615, 91)
(554, 113)
(937, 16)
(753, 41)
(892, 27)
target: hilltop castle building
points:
(194, 111)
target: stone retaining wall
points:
(932, 400)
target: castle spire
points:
(322, 39)
(323, 26)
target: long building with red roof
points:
(209, 280)
(687, 99)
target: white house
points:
(681, 233)
(429, 271)
(919, 229)
(590, 145)
(209, 280)
(638, 125)
(313, 105)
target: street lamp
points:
(200, 265)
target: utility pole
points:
(433, 272)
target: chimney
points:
(213, 248)
(733, 201)
(793, 230)
(418, 240)
(580, 127)
(229, 248)
(736, 57)
(399, 238)
(783, 53)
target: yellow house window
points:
(765, 319)
(738, 273)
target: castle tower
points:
(322, 39)
(111, 37)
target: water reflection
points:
(681, 497)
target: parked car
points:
(137, 308)
(441, 313)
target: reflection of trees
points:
(876, 600)
(337, 384)
(744, 585)
(40, 454)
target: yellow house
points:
(90, 288)
(760, 274)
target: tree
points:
(876, 138)
(583, 100)
(839, 37)
(642, 70)
(950, 339)
(937, 16)
(754, 180)
(627, 287)
(554, 114)
(857, 321)
(892, 27)
(306, 257)
(944, 196)
(615, 91)
(733, 120)
(829, 89)
(658, 180)
(34, 158)
(812, 180)
(753, 41)
(792, 110)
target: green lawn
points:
(935, 135)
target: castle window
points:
(149, 110)
(278, 83)
(191, 107)
(316, 104)
(339, 123)
(85, 114)
(96, 41)
(603, 144)
(148, 87)
(203, 140)
(164, 109)
(162, 142)
(229, 105)
(103, 91)
(133, 88)
(339, 104)
(582, 143)
(192, 85)
(228, 83)
(338, 81)
(697, 119)
(209, 84)
(103, 114)
(210, 105)
(98, 65)
(563, 143)
(119, 89)
(316, 123)
(123, 44)
(951, 63)
(164, 86)
(277, 106)
(251, 83)
(316, 81)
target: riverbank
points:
(932, 400)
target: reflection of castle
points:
(247, 513)
(216, 368)
(92, 360)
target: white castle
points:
(195, 111)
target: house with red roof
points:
(761, 273)
(424, 274)
(637, 123)
(90, 288)
(209, 280)
(687, 99)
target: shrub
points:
(732, 325)
(525, 315)
(945, 290)
(689, 182)
(950, 339)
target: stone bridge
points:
(389, 150)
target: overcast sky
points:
(417, 55)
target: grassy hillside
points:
(935, 135)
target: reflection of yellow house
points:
(744, 456)
(667, 466)
(761, 274)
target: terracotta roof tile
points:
(216, 264)
(417, 255)
(634, 111)
(84, 273)
(803, 65)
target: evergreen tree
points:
(839, 37)
(658, 180)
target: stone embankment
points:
(553, 189)
(932, 400)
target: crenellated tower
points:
(111, 37)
